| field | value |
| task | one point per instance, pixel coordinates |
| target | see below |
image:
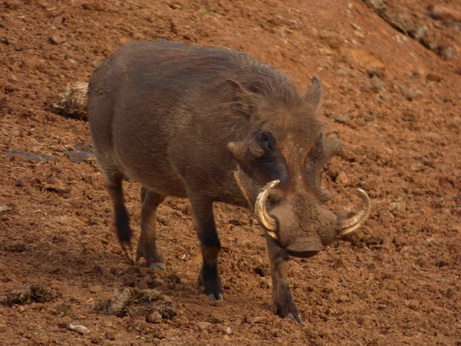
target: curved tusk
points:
(272, 234)
(350, 225)
(268, 222)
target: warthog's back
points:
(156, 107)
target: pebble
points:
(446, 52)
(342, 179)
(110, 336)
(225, 330)
(4, 208)
(376, 84)
(79, 328)
(72, 102)
(377, 5)
(444, 13)
(432, 77)
(258, 319)
(154, 317)
(372, 65)
(95, 289)
(341, 119)
(409, 93)
(56, 39)
(203, 325)
(419, 33)
(93, 6)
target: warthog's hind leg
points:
(147, 247)
(121, 217)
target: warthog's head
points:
(279, 167)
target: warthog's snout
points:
(301, 225)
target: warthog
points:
(215, 125)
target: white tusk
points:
(268, 222)
(350, 225)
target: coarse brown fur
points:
(180, 119)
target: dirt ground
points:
(392, 76)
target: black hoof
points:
(157, 265)
(295, 318)
(215, 298)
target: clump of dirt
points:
(150, 303)
(72, 102)
(31, 293)
(391, 76)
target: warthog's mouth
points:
(271, 224)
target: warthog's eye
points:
(269, 160)
(266, 140)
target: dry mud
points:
(392, 81)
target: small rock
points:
(73, 101)
(203, 325)
(95, 289)
(154, 317)
(175, 6)
(137, 302)
(377, 5)
(342, 178)
(157, 282)
(446, 52)
(55, 185)
(370, 63)
(409, 93)
(419, 33)
(376, 71)
(341, 119)
(225, 330)
(4, 208)
(431, 77)
(93, 6)
(29, 294)
(79, 328)
(376, 84)
(56, 39)
(110, 336)
(258, 319)
(43, 4)
(402, 21)
(444, 13)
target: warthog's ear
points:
(244, 101)
(313, 96)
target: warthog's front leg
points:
(282, 301)
(202, 209)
